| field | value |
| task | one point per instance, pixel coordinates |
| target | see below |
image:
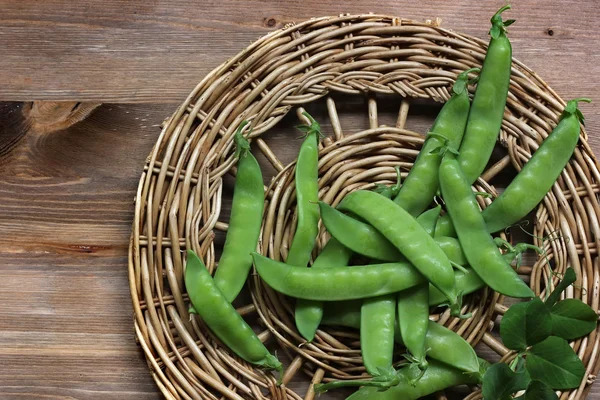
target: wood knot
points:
(270, 22)
(51, 116)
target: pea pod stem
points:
(458, 267)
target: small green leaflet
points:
(555, 363)
(500, 382)
(568, 279)
(525, 324)
(572, 319)
(538, 390)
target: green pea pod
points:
(429, 218)
(356, 235)
(413, 305)
(377, 329)
(408, 237)
(421, 184)
(443, 344)
(466, 283)
(308, 313)
(487, 109)
(449, 347)
(342, 313)
(348, 311)
(337, 282)
(307, 196)
(244, 222)
(451, 246)
(220, 316)
(479, 247)
(437, 377)
(378, 317)
(444, 227)
(363, 239)
(538, 175)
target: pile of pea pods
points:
(419, 256)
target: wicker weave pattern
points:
(179, 198)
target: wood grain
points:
(66, 197)
(156, 51)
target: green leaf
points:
(525, 324)
(572, 319)
(500, 382)
(538, 390)
(555, 363)
(571, 108)
(568, 279)
(459, 86)
(303, 128)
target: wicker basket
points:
(326, 61)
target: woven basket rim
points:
(187, 131)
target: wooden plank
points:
(65, 216)
(66, 326)
(137, 51)
(66, 197)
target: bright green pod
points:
(221, 318)
(489, 101)
(244, 222)
(421, 184)
(308, 313)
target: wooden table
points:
(66, 194)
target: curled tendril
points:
(543, 239)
